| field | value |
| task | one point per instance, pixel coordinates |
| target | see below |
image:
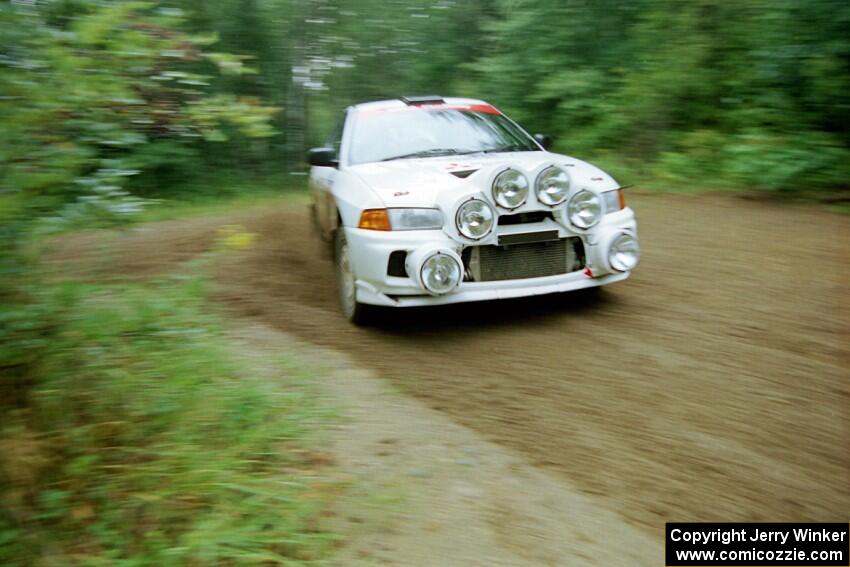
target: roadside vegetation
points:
(135, 439)
(130, 435)
(226, 193)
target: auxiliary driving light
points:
(510, 189)
(475, 219)
(437, 270)
(623, 252)
(584, 209)
(552, 186)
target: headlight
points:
(440, 273)
(624, 252)
(614, 201)
(510, 189)
(474, 219)
(584, 209)
(553, 185)
(400, 219)
(415, 219)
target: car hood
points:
(419, 182)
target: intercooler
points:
(520, 261)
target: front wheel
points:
(353, 310)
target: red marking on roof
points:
(482, 108)
(485, 108)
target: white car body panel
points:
(343, 193)
(418, 182)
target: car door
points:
(321, 186)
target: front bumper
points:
(482, 291)
(370, 251)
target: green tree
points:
(87, 90)
(88, 96)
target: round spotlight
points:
(510, 189)
(624, 252)
(440, 273)
(553, 185)
(475, 219)
(584, 209)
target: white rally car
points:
(431, 201)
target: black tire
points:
(356, 312)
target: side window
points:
(335, 138)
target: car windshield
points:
(433, 131)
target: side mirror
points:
(544, 140)
(322, 157)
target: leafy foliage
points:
(151, 447)
(721, 94)
(724, 93)
(84, 97)
(114, 398)
(645, 82)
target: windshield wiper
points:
(428, 153)
(435, 152)
(511, 148)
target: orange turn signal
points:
(622, 198)
(375, 219)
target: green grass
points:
(841, 208)
(226, 194)
(144, 442)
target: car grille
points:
(520, 261)
(524, 218)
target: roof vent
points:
(420, 100)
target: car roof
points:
(398, 103)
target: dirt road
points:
(713, 385)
